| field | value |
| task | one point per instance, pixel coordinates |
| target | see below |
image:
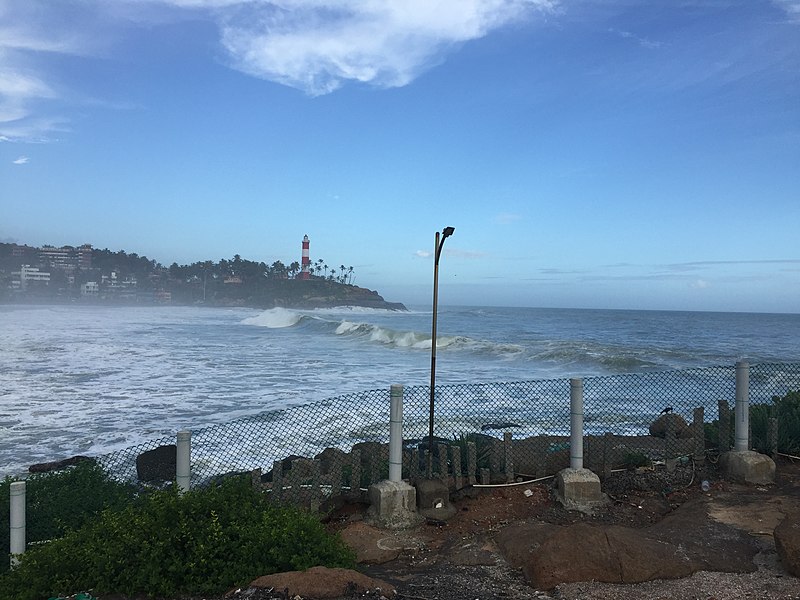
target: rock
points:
(787, 543)
(375, 546)
(684, 542)
(501, 425)
(57, 465)
(323, 583)
(583, 552)
(330, 457)
(286, 466)
(158, 464)
(519, 541)
(670, 421)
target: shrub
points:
(59, 501)
(203, 542)
(787, 410)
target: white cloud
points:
(317, 45)
(423, 254)
(22, 160)
(792, 8)
(643, 42)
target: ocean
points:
(90, 380)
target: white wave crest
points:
(274, 318)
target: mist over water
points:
(80, 380)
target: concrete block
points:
(579, 489)
(747, 467)
(433, 499)
(393, 505)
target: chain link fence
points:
(492, 432)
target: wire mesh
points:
(340, 445)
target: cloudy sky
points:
(589, 153)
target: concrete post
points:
(396, 433)
(576, 423)
(17, 521)
(741, 439)
(183, 461)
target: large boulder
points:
(330, 457)
(683, 543)
(57, 465)
(583, 552)
(787, 543)
(322, 583)
(159, 464)
(670, 422)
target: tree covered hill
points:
(129, 278)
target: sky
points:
(632, 154)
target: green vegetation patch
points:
(165, 544)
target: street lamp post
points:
(438, 244)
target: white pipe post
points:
(183, 461)
(396, 433)
(17, 521)
(741, 439)
(576, 423)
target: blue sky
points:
(608, 154)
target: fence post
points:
(17, 521)
(741, 440)
(458, 479)
(277, 480)
(698, 424)
(396, 433)
(472, 462)
(724, 426)
(772, 436)
(508, 451)
(576, 423)
(183, 461)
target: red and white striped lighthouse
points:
(306, 261)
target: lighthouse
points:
(305, 261)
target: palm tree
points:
(350, 272)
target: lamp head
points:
(447, 232)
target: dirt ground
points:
(459, 559)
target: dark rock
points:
(322, 583)
(158, 464)
(503, 425)
(329, 458)
(787, 543)
(670, 421)
(286, 466)
(684, 542)
(519, 541)
(57, 465)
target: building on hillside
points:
(66, 258)
(305, 264)
(90, 288)
(27, 275)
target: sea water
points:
(89, 380)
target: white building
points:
(90, 288)
(27, 274)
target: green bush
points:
(59, 501)
(203, 542)
(787, 410)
